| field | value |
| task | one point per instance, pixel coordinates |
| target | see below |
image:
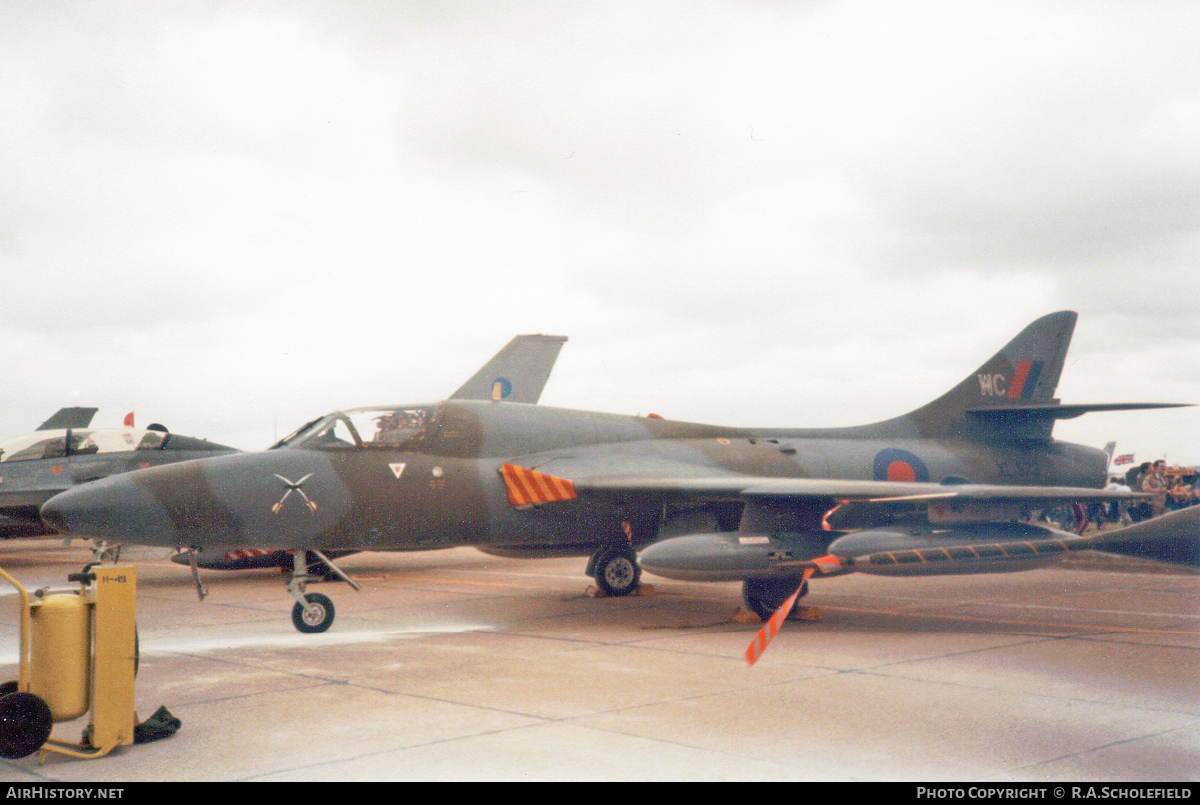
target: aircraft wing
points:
(19, 512)
(1173, 538)
(26, 498)
(741, 486)
(527, 487)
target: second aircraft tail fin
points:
(75, 417)
(517, 373)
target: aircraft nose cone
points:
(275, 499)
(113, 509)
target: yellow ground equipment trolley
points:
(78, 652)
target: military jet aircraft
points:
(521, 480)
(64, 451)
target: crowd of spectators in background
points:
(1171, 490)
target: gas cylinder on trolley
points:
(78, 654)
(60, 653)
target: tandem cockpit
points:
(82, 442)
(400, 428)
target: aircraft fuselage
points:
(444, 489)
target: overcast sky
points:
(233, 217)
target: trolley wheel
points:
(25, 724)
(317, 622)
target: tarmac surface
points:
(459, 666)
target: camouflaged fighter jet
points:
(946, 488)
(64, 451)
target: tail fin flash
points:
(517, 373)
(1003, 397)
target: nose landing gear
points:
(314, 615)
(313, 612)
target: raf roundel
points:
(899, 465)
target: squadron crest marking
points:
(294, 486)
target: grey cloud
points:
(1053, 217)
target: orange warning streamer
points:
(763, 639)
(532, 488)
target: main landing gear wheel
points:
(316, 621)
(616, 571)
(764, 596)
(25, 724)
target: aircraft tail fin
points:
(1011, 396)
(517, 373)
(74, 417)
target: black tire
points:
(25, 724)
(311, 625)
(764, 596)
(617, 572)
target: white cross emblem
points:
(294, 486)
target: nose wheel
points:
(317, 616)
(313, 612)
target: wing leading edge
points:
(741, 486)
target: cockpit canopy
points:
(399, 428)
(61, 443)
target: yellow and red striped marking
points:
(532, 488)
(763, 639)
